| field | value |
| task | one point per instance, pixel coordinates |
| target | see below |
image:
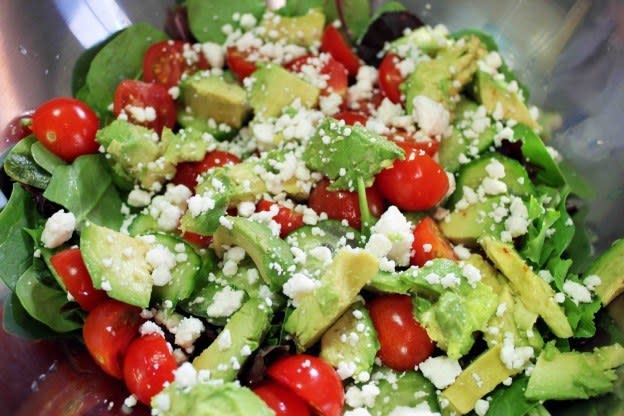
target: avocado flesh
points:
(298, 30)
(467, 225)
(407, 389)
(610, 268)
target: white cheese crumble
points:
(225, 302)
(58, 229)
(224, 340)
(162, 261)
(441, 371)
(481, 407)
(187, 332)
(362, 397)
(514, 357)
(397, 230)
(577, 292)
(431, 116)
(299, 286)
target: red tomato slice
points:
(166, 62)
(390, 78)
(148, 105)
(404, 343)
(313, 380)
(66, 127)
(72, 270)
(197, 239)
(187, 172)
(238, 61)
(107, 332)
(351, 117)
(336, 74)
(283, 401)
(344, 205)
(429, 243)
(288, 219)
(407, 143)
(148, 365)
(335, 44)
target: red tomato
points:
(238, 61)
(70, 266)
(66, 127)
(283, 401)
(335, 44)
(288, 219)
(131, 93)
(197, 239)
(407, 142)
(148, 365)
(364, 106)
(165, 62)
(15, 130)
(404, 343)
(344, 205)
(428, 233)
(187, 172)
(390, 78)
(337, 79)
(107, 332)
(417, 183)
(351, 117)
(313, 380)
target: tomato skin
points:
(66, 127)
(164, 63)
(337, 78)
(143, 94)
(407, 142)
(428, 232)
(197, 239)
(404, 343)
(335, 44)
(288, 219)
(72, 270)
(148, 364)
(351, 117)
(417, 183)
(187, 172)
(313, 380)
(390, 78)
(283, 401)
(239, 63)
(344, 205)
(108, 331)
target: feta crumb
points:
(441, 371)
(298, 286)
(187, 332)
(139, 198)
(431, 116)
(224, 340)
(150, 327)
(185, 375)
(225, 302)
(481, 407)
(592, 281)
(461, 252)
(58, 229)
(398, 230)
(577, 292)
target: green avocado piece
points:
(349, 272)
(466, 226)
(142, 224)
(338, 349)
(609, 267)
(219, 132)
(303, 30)
(427, 39)
(535, 293)
(404, 389)
(128, 278)
(239, 338)
(345, 153)
(574, 375)
(204, 296)
(188, 145)
(273, 88)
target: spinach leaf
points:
(22, 167)
(44, 158)
(86, 189)
(83, 63)
(300, 7)
(535, 152)
(510, 401)
(18, 322)
(207, 18)
(355, 16)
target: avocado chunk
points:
(574, 375)
(209, 96)
(126, 278)
(427, 39)
(303, 30)
(467, 225)
(273, 88)
(217, 131)
(345, 153)
(356, 356)
(609, 267)
(535, 293)
(189, 145)
(239, 338)
(349, 272)
(405, 389)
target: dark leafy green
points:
(510, 401)
(301, 7)
(485, 38)
(22, 167)
(355, 15)
(207, 18)
(83, 63)
(44, 158)
(535, 152)
(18, 322)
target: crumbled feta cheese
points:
(546, 275)
(481, 407)
(592, 281)
(185, 375)
(441, 371)
(431, 116)
(214, 54)
(299, 286)
(461, 252)
(187, 331)
(514, 357)
(58, 229)
(397, 229)
(225, 302)
(472, 274)
(362, 397)
(162, 261)
(139, 198)
(346, 369)
(224, 340)
(199, 204)
(330, 104)
(150, 327)
(322, 253)
(577, 292)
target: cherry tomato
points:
(132, 96)
(390, 78)
(335, 44)
(344, 205)
(238, 61)
(288, 219)
(407, 142)
(404, 343)
(107, 332)
(72, 270)
(429, 243)
(313, 380)
(365, 106)
(187, 172)
(15, 130)
(351, 117)
(66, 127)
(197, 239)
(165, 63)
(417, 183)
(148, 365)
(337, 79)
(283, 401)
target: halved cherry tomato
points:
(149, 363)
(404, 343)
(187, 172)
(197, 239)
(351, 117)
(283, 401)
(344, 205)
(288, 219)
(107, 332)
(165, 62)
(335, 44)
(66, 127)
(238, 61)
(407, 142)
(429, 243)
(72, 270)
(313, 380)
(390, 78)
(364, 106)
(337, 79)
(417, 183)
(137, 96)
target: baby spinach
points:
(21, 166)
(355, 15)
(301, 7)
(207, 18)
(83, 63)
(44, 158)
(17, 321)
(510, 401)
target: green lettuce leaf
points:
(207, 18)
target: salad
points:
(308, 211)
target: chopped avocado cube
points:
(404, 389)
(358, 356)
(466, 226)
(303, 30)
(574, 375)
(349, 272)
(345, 153)
(210, 96)
(273, 88)
(125, 278)
(218, 131)
(457, 144)
(189, 145)
(536, 294)
(413, 279)
(609, 267)
(239, 338)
